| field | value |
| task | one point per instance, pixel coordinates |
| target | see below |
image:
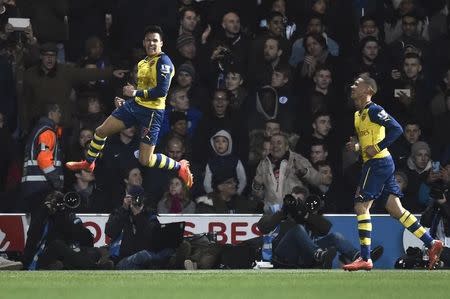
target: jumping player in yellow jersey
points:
(376, 131)
(146, 110)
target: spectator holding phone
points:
(421, 173)
(19, 49)
(7, 11)
(409, 92)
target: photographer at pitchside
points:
(437, 215)
(296, 236)
(58, 240)
(135, 234)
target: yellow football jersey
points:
(153, 81)
(370, 129)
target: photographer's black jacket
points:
(139, 231)
(315, 223)
(433, 210)
(62, 225)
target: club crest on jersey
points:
(363, 116)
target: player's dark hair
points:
(154, 29)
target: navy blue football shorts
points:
(146, 119)
(378, 180)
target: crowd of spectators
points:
(259, 103)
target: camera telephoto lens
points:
(72, 200)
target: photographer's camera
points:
(137, 201)
(58, 201)
(299, 209)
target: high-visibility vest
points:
(33, 178)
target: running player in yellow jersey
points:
(376, 131)
(146, 110)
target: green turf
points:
(225, 284)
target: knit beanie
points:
(184, 39)
(420, 145)
(188, 68)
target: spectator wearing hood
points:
(224, 160)
(221, 117)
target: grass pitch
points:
(225, 284)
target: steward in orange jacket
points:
(43, 170)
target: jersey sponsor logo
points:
(165, 69)
(383, 115)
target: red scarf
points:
(175, 204)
